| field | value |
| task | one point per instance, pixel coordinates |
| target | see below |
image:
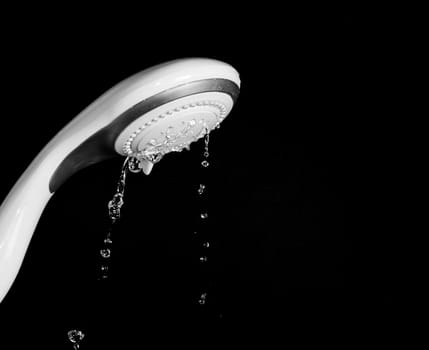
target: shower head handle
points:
(160, 110)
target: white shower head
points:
(157, 111)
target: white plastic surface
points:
(24, 205)
(206, 106)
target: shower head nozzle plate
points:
(174, 125)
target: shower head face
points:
(159, 111)
(174, 125)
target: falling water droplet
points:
(115, 209)
(206, 244)
(204, 215)
(105, 253)
(203, 259)
(201, 189)
(107, 240)
(75, 336)
(133, 165)
(205, 163)
(202, 299)
(104, 268)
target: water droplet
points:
(105, 253)
(75, 336)
(115, 206)
(117, 200)
(206, 154)
(104, 268)
(204, 215)
(203, 259)
(205, 163)
(108, 239)
(206, 244)
(133, 165)
(202, 299)
(201, 189)
(114, 213)
(195, 232)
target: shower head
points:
(160, 110)
(157, 111)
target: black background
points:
(282, 259)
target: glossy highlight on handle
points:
(19, 215)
